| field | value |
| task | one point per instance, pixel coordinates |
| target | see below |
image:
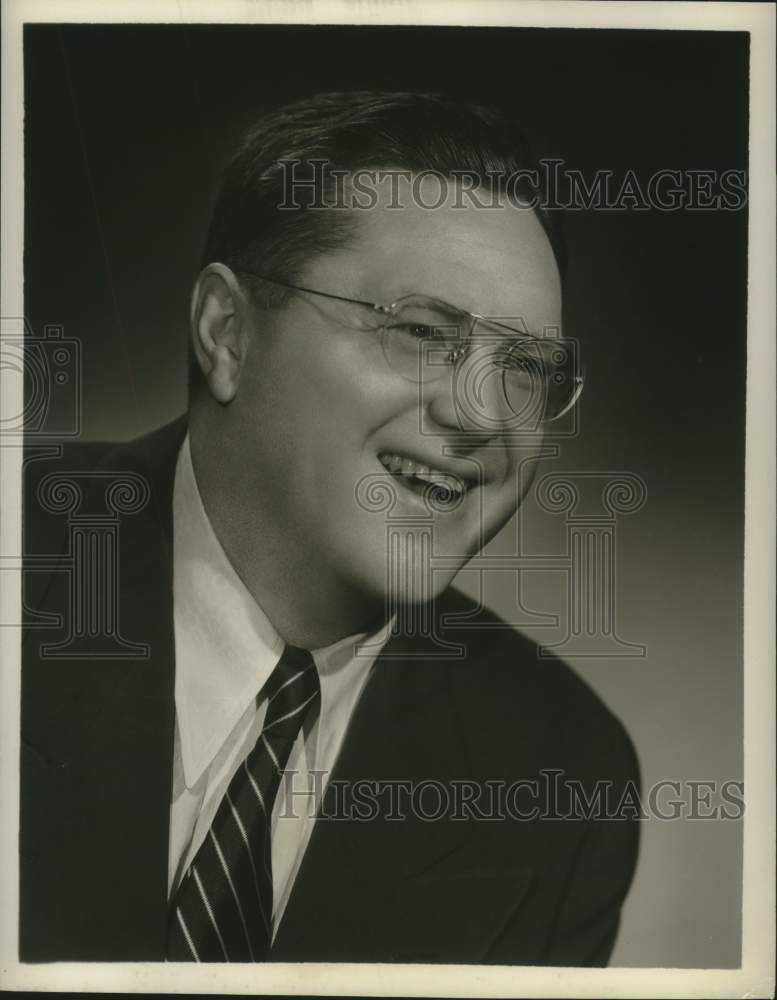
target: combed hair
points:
(360, 130)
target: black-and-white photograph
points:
(381, 444)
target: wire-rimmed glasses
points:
(423, 337)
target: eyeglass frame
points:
(455, 354)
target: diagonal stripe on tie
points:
(222, 911)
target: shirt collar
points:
(226, 647)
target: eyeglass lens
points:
(422, 337)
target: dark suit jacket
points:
(97, 746)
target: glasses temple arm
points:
(314, 291)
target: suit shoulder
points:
(64, 457)
(507, 677)
(82, 458)
(64, 477)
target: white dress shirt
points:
(225, 649)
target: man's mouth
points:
(424, 480)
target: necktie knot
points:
(292, 691)
(223, 909)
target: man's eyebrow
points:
(511, 324)
(406, 291)
(514, 325)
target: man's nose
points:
(469, 400)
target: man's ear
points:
(219, 330)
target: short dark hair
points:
(359, 130)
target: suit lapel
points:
(98, 740)
(404, 889)
(145, 701)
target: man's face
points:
(327, 428)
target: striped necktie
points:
(223, 909)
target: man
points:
(255, 772)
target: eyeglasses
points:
(423, 337)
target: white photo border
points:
(755, 978)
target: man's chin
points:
(410, 564)
(412, 585)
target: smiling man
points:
(306, 752)
(307, 401)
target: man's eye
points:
(419, 331)
(364, 320)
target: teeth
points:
(398, 465)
